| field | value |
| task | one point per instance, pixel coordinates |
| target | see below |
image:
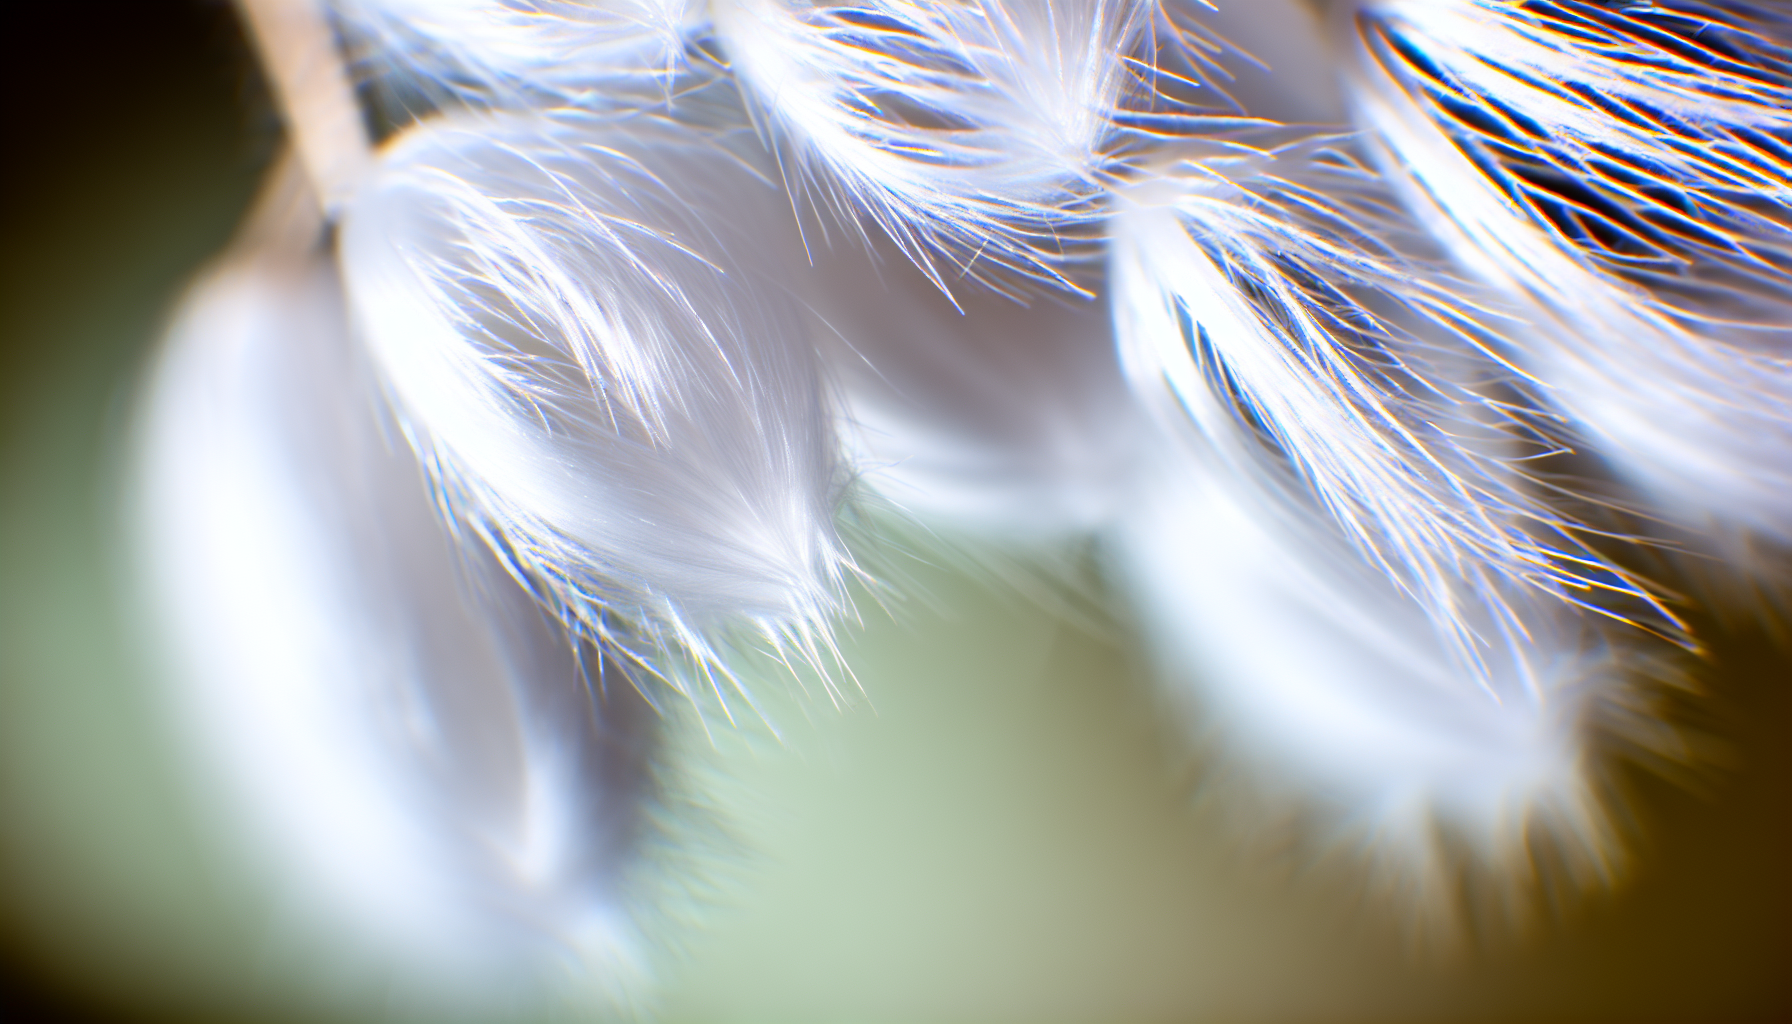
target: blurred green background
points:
(1003, 830)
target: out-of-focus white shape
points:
(978, 413)
(973, 132)
(564, 50)
(1305, 664)
(457, 798)
(1275, 59)
(584, 329)
(1613, 168)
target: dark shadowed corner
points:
(137, 132)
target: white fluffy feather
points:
(974, 133)
(1334, 690)
(1336, 554)
(525, 51)
(1621, 172)
(1247, 300)
(583, 329)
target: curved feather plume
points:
(1623, 171)
(1335, 691)
(974, 132)
(1336, 551)
(1314, 358)
(511, 52)
(580, 332)
(439, 766)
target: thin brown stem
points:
(298, 49)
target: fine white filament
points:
(1621, 171)
(976, 132)
(524, 52)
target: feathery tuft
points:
(1250, 299)
(1334, 691)
(1622, 171)
(524, 52)
(582, 331)
(975, 132)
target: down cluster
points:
(1371, 343)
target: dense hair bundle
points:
(583, 343)
(1622, 173)
(597, 53)
(973, 133)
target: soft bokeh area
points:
(1002, 826)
